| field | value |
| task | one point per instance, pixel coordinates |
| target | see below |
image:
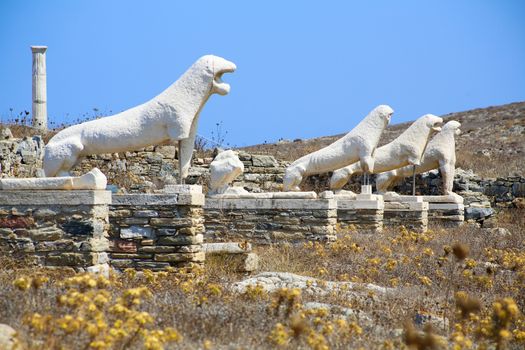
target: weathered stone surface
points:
(273, 220)
(75, 259)
(171, 222)
(167, 152)
(189, 248)
(74, 227)
(100, 244)
(6, 231)
(122, 213)
(93, 180)
(151, 265)
(271, 281)
(135, 221)
(58, 245)
(136, 232)
(178, 257)
(45, 234)
(122, 263)
(131, 256)
(17, 222)
(264, 161)
(124, 246)
(478, 213)
(180, 240)
(144, 199)
(166, 231)
(160, 229)
(44, 213)
(257, 203)
(145, 214)
(54, 234)
(227, 248)
(8, 338)
(50, 198)
(158, 249)
(250, 262)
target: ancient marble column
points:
(39, 88)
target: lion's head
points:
(215, 67)
(453, 126)
(432, 122)
(384, 112)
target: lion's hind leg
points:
(447, 171)
(292, 178)
(60, 157)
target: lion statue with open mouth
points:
(171, 116)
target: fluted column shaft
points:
(39, 88)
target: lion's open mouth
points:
(221, 87)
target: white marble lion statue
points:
(406, 149)
(357, 145)
(440, 153)
(171, 116)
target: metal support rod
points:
(413, 180)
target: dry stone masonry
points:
(20, 157)
(270, 220)
(55, 228)
(412, 213)
(364, 211)
(155, 231)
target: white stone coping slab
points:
(453, 198)
(395, 197)
(446, 206)
(368, 197)
(407, 206)
(58, 197)
(353, 204)
(182, 189)
(326, 194)
(344, 194)
(227, 248)
(267, 203)
(158, 199)
(93, 180)
(266, 195)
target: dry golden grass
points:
(473, 279)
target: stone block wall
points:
(447, 214)
(55, 228)
(412, 215)
(148, 169)
(501, 192)
(366, 215)
(155, 231)
(270, 220)
(21, 157)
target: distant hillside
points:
(492, 142)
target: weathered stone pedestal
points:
(408, 211)
(55, 228)
(267, 220)
(155, 231)
(362, 212)
(445, 210)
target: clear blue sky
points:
(305, 68)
